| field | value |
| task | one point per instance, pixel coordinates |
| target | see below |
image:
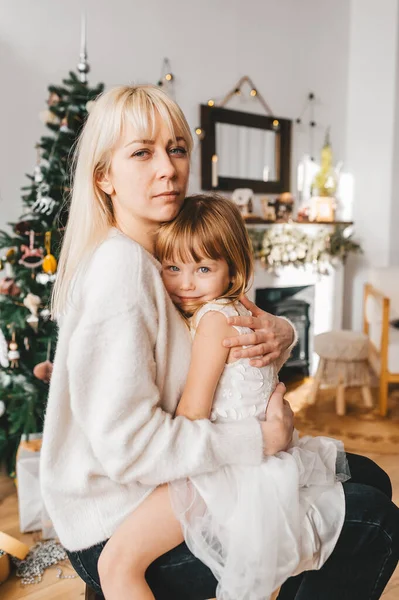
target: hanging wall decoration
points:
(309, 110)
(237, 90)
(167, 79)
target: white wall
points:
(370, 135)
(343, 50)
(287, 47)
(394, 229)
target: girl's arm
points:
(207, 363)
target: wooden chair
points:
(384, 347)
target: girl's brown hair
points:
(209, 226)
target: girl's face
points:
(193, 283)
(148, 178)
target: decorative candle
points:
(300, 177)
(215, 171)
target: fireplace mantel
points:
(258, 222)
(328, 294)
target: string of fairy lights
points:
(167, 77)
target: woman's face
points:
(148, 178)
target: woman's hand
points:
(278, 428)
(270, 338)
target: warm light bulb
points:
(168, 76)
(211, 102)
(198, 131)
(276, 123)
(253, 92)
(215, 158)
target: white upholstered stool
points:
(343, 363)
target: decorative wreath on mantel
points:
(289, 245)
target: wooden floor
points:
(52, 588)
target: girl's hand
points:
(278, 428)
(270, 339)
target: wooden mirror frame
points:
(210, 115)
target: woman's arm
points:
(207, 363)
(113, 392)
(271, 341)
(208, 359)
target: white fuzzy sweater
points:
(121, 363)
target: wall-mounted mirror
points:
(244, 150)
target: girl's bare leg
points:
(150, 531)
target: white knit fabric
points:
(109, 438)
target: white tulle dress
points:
(256, 526)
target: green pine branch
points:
(22, 393)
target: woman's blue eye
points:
(140, 153)
(178, 150)
(204, 269)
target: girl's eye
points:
(173, 268)
(178, 151)
(204, 269)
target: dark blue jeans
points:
(359, 568)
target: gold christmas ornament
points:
(49, 264)
(43, 371)
(10, 255)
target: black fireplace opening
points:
(283, 302)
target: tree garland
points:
(290, 245)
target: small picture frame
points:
(243, 198)
(323, 209)
(268, 210)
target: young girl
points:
(253, 526)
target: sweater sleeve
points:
(114, 397)
(280, 362)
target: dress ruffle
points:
(250, 525)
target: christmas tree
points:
(28, 255)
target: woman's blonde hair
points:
(91, 212)
(209, 226)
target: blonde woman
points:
(122, 359)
